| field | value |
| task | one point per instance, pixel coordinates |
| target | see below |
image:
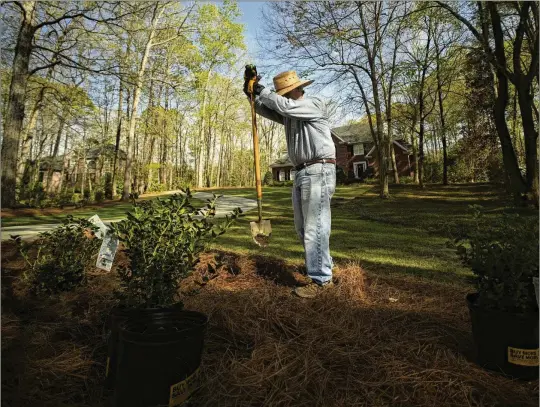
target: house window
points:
(282, 175)
(359, 169)
(358, 149)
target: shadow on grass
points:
(407, 250)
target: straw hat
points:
(287, 81)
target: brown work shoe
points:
(312, 290)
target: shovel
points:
(261, 230)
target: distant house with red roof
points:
(356, 155)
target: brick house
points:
(99, 161)
(355, 155)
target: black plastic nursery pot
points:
(159, 358)
(505, 342)
(116, 318)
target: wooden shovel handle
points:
(258, 183)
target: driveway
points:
(224, 206)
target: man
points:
(312, 152)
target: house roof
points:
(104, 150)
(353, 133)
(56, 163)
(92, 153)
(361, 133)
(348, 134)
(282, 161)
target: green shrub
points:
(63, 256)
(341, 177)
(65, 198)
(99, 196)
(33, 195)
(408, 180)
(163, 239)
(86, 198)
(157, 187)
(268, 179)
(504, 258)
(283, 183)
(433, 170)
(108, 186)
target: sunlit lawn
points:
(109, 211)
(405, 234)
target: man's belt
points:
(308, 163)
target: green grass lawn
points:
(108, 211)
(405, 234)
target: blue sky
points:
(251, 17)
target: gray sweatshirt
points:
(306, 125)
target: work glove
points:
(250, 73)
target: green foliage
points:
(406, 180)
(62, 258)
(108, 186)
(504, 257)
(163, 239)
(268, 179)
(220, 36)
(433, 170)
(283, 183)
(67, 198)
(157, 187)
(33, 195)
(341, 177)
(99, 196)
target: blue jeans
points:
(313, 188)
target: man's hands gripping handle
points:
(251, 81)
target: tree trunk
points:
(120, 114)
(421, 106)
(148, 124)
(499, 110)
(150, 156)
(394, 163)
(441, 113)
(420, 162)
(16, 101)
(27, 135)
(136, 96)
(55, 152)
(63, 184)
(383, 150)
(85, 167)
(199, 162)
(523, 86)
(531, 144)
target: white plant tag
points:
(107, 252)
(102, 227)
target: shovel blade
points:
(261, 232)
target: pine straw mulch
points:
(370, 341)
